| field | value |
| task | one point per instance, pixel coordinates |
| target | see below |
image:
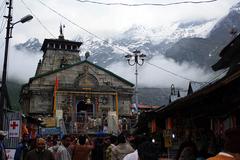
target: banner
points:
(14, 128)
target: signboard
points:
(167, 133)
(10, 153)
(59, 113)
(14, 130)
(49, 121)
(51, 131)
(168, 142)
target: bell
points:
(88, 101)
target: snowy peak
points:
(171, 33)
(235, 8)
(31, 45)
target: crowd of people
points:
(110, 147)
(84, 147)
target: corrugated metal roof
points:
(195, 86)
(173, 98)
(182, 93)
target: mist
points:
(151, 76)
(21, 64)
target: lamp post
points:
(4, 73)
(138, 59)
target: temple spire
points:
(61, 36)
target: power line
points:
(215, 78)
(56, 12)
(2, 4)
(2, 26)
(112, 45)
(37, 19)
(145, 4)
(175, 74)
(3, 22)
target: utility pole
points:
(4, 74)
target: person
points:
(137, 141)
(54, 149)
(22, 148)
(231, 149)
(98, 151)
(188, 153)
(188, 149)
(60, 150)
(148, 151)
(122, 149)
(40, 153)
(113, 140)
(3, 155)
(82, 150)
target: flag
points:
(55, 97)
(56, 84)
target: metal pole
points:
(136, 87)
(4, 74)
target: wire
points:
(112, 45)
(2, 4)
(37, 19)
(3, 22)
(146, 4)
(215, 78)
(175, 74)
(56, 12)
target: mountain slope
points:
(204, 51)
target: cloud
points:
(106, 20)
(21, 64)
(150, 76)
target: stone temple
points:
(75, 94)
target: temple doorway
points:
(83, 106)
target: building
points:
(206, 111)
(76, 91)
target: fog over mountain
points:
(186, 48)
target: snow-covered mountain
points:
(196, 42)
(31, 45)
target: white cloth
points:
(60, 152)
(131, 156)
(225, 154)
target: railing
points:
(87, 122)
(82, 122)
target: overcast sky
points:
(104, 21)
(107, 20)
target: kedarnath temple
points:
(75, 94)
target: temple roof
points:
(58, 41)
(78, 63)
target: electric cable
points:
(38, 19)
(112, 45)
(2, 4)
(172, 73)
(145, 4)
(78, 26)
(3, 22)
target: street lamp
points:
(4, 73)
(138, 59)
